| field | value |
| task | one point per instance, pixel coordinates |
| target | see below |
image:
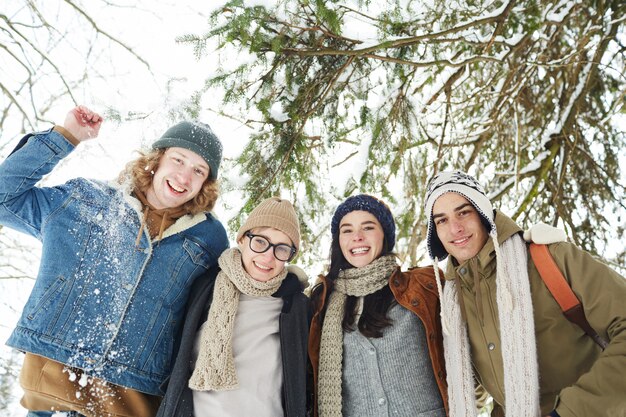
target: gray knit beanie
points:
(197, 137)
(461, 183)
(277, 213)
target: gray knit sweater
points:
(391, 375)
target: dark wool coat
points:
(178, 400)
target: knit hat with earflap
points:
(465, 185)
(277, 213)
(515, 309)
(372, 205)
(197, 137)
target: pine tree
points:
(526, 95)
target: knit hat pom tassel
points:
(445, 327)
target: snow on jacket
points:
(178, 400)
(99, 302)
(575, 377)
(415, 290)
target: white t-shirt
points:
(258, 363)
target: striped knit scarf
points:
(357, 282)
(517, 333)
(215, 367)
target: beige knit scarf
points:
(357, 282)
(517, 334)
(215, 367)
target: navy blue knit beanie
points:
(372, 205)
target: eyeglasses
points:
(260, 244)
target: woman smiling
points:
(375, 342)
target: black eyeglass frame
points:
(292, 250)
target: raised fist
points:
(83, 123)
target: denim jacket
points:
(100, 302)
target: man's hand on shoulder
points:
(83, 123)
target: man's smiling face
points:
(178, 179)
(458, 226)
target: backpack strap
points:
(552, 276)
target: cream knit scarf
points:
(517, 333)
(357, 282)
(215, 367)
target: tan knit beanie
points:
(277, 213)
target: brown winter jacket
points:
(415, 290)
(575, 377)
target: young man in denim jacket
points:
(118, 260)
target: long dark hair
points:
(376, 306)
